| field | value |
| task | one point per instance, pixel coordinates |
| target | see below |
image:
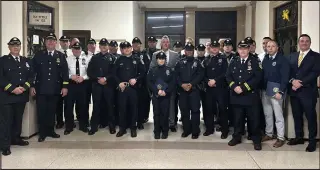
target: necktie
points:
(50, 53)
(77, 67)
(242, 61)
(17, 59)
(300, 59)
(65, 52)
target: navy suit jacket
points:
(308, 72)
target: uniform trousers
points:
(161, 113)
(143, 104)
(10, 123)
(128, 107)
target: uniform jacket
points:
(164, 73)
(173, 59)
(216, 68)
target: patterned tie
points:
(300, 59)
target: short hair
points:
(271, 40)
(304, 35)
(191, 40)
(266, 38)
(165, 37)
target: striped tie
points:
(300, 59)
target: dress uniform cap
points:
(215, 43)
(113, 43)
(152, 38)
(92, 41)
(189, 47)
(161, 55)
(177, 44)
(14, 41)
(227, 42)
(103, 41)
(243, 44)
(136, 40)
(125, 44)
(64, 38)
(248, 40)
(201, 47)
(76, 45)
(51, 36)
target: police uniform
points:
(143, 93)
(15, 72)
(178, 44)
(60, 106)
(127, 68)
(51, 71)
(189, 71)
(161, 77)
(245, 73)
(101, 66)
(215, 69)
(114, 43)
(229, 58)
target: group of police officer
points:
(122, 86)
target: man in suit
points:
(172, 59)
(304, 70)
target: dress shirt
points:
(83, 63)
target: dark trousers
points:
(128, 98)
(203, 102)
(143, 104)
(304, 105)
(76, 94)
(176, 108)
(116, 107)
(46, 109)
(253, 118)
(103, 121)
(216, 101)
(10, 123)
(190, 102)
(60, 110)
(229, 110)
(99, 92)
(88, 84)
(161, 114)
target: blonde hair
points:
(190, 40)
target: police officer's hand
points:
(74, 77)
(238, 90)
(294, 88)
(297, 83)
(102, 81)
(80, 79)
(132, 82)
(163, 93)
(122, 86)
(33, 91)
(64, 92)
(17, 91)
(211, 83)
(185, 87)
(189, 86)
(278, 96)
(22, 89)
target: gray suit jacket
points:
(173, 59)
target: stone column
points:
(190, 22)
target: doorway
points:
(82, 35)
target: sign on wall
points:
(39, 18)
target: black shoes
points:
(257, 146)
(312, 146)
(121, 133)
(60, 125)
(164, 135)
(296, 141)
(173, 129)
(195, 136)
(224, 135)
(20, 142)
(133, 133)
(233, 142)
(140, 126)
(185, 134)
(157, 136)
(54, 135)
(67, 131)
(218, 129)
(41, 139)
(6, 152)
(92, 132)
(112, 129)
(207, 133)
(145, 120)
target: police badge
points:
(58, 60)
(27, 65)
(134, 62)
(220, 60)
(168, 72)
(195, 64)
(275, 89)
(274, 63)
(83, 61)
(184, 61)
(249, 65)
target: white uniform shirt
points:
(69, 51)
(83, 65)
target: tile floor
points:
(103, 150)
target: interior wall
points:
(262, 21)
(138, 24)
(11, 23)
(248, 21)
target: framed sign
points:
(39, 18)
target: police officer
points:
(230, 55)
(51, 71)
(215, 69)
(100, 72)
(189, 73)
(143, 93)
(161, 81)
(177, 47)
(202, 85)
(113, 49)
(15, 80)
(64, 48)
(243, 77)
(77, 65)
(128, 72)
(252, 44)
